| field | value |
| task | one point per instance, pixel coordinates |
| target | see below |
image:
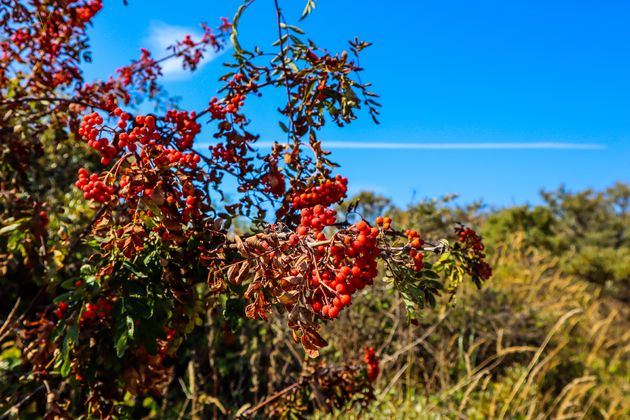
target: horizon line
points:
(448, 146)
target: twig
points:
(5, 326)
(23, 401)
(270, 399)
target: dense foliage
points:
(123, 276)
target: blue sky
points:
(454, 73)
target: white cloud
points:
(161, 36)
(453, 146)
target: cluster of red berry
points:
(315, 219)
(175, 157)
(346, 265)
(46, 48)
(370, 359)
(144, 132)
(192, 52)
(90, 131)
(93, 188)
(231, 105)
(170, 336)
(62, 307)
(86, 12)
(191, 56)
(145, 67)
(416, 243)
(226, 25)
(100, 309)
(470, 239)
(20, 36)
(123, 118)
(384, 222)
(186, 126)
(329, 192)
(226, 154)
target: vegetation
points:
(133, 286)
(547, 337)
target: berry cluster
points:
(192, 52)
(86, 12)
(90, 131)
(62, 307)
(227, 154)
(384, 222)
(330, 192)
(145, 132)
(315, 219)
(415, 243)
(344, 266)
(123, 118)
(146, 68)
(48, 52)
(93, 188)
(369, 357)
(231, 105)
(175, 157)
(470, 239)
(100, 309)
(164, 344)
(185, 125)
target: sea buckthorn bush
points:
(119, 246)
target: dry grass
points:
(534, 344)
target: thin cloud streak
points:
(454, 146)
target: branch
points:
(23, 401)
(270, 399)
(28, 99)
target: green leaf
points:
(138, 308)
(134, 270)
(292, 28)
(121, 345)
(73, 333)
(310, 5)
(10, 228)
(65, 368)
(64, 297)
(131, 327)
(235, 21)
(135, 289)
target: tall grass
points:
(535, 343)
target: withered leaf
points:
(237, 272)
(241, 246)
(309, 347)
(317, 339)
(289, 298)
